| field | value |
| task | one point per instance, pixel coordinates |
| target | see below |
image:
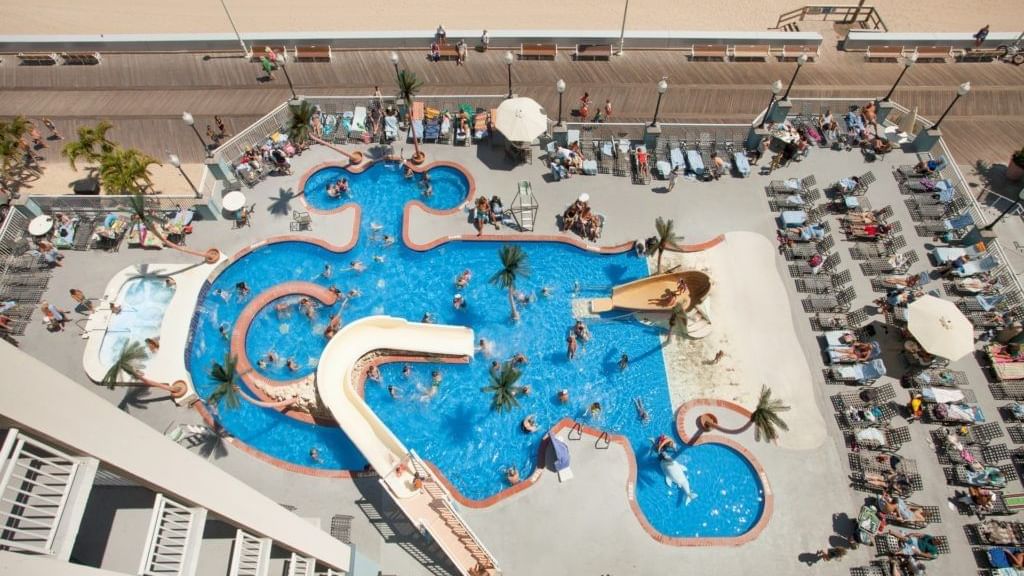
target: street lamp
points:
(622, 33)
(961, 90)
(191, 122)
(283, 58)
(509, 59)
(776, 87)
(176, 162)
(662, 87)
(907, 63)
(799, 64)
(394, 62)
(1020, 198)
(560, 86)
(245, 51)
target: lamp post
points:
(176, 162)
(1020, 198)
(662, 87)
(560, 86)
(509, 59)
(907, 63)
(622, 32)
(283, 58)
(191, 122)
(961, 90)
(394, 62)
(776, 87)
(799, 64)
(245, 51)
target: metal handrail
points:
(848, 14)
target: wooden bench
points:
(314, 53)
(39, 59)
(794, 51)
(448, 52)
(258, 51)
(709, 52)
(593, 52)
(751, 52)
(883, 52)
(934, 53)
(538, 51)
(979, 54)
(82, 58)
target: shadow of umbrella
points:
(138, 397)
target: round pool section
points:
(386, 181)
(143, 303)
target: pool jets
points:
(675, 473)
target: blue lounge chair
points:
(590, 167)
(958, 222)
(863, 372)
(742, 164)
(330, 125)
(999, 559)
(432, 131)
(571, 136)
(972, 267)
(391, 127)
(676, 156)
(988, 303)
(793, 218)
(695, 162)
(946, 254)
(417, 129)
(662, 168)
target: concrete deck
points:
(587, 517)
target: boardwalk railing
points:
(867, 16)
(90, 205)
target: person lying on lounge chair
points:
(997, 532)
(862, 218)
(896, 482)
(868, 230)
(900, 508)
(858, 352)
(917, 544)
(902, 281)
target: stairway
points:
(175, 535)
(250, 556)
(43, 493)
(442, 506)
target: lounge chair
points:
(446, 128)
(793, 218)
(836, 357)
(999, 559)
(480, 126)
(416, 130)
(998, 533)
(358, 126)
(741, 164)
(861, 372)
(432, 130)
(881, 439)
(992, 477)
(887, 544)
(945, 254)
(391, 128)
(677, 158)
(972, 267)
(330, 125)
(910, 171)
(346, 125)
(695, 162)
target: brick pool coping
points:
(366, 165)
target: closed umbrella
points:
(521, 119)
(940, 327)
(907, 122)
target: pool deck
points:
(538, 526)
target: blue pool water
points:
(456, 428)
(448, 187)
(143, 302)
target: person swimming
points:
(495, 367)
(529, 424)
(406, 371)
(581, 331)
(485, 347)
(292, 364)
(663, 444)
(623, 362)
(223, 330)
(378, 258)
(283, 309)
(428, 318)
(458, 301)
(387, 241)
(373, 373)
(571, 347)
(512, 475)
(327, 271)
(594, 410)
(357, 265)
(435, 378)
(563, 396)
(307, 307)
(393, 392)
(354, 293)
(546, 292)
(314, 455)
(519, 359)
(463, 279)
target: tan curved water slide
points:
(652, 294)
(429, 507)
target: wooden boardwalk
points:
(144, 94)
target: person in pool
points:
(343, 187)
(242, 288)
(495, 367)
(314, 455)
(292, 364)
(458, 301)
(546, 292)
(563, 396)
(332, 191)
(530, 424)
(283, 309)
(486, 348)
(595, 410)
(387, 241)
(571, 346)
(327, 271)
(357, 265)
(373, 373)
(307, 307)
(428, 318)
(224, 333)
(624, 362)
(406, 371)
(393, 392)
(581, 331)
(512, 475)
(435, 378)
(663, 444)
(519, 359)
(409, 174)
(463, 279)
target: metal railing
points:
(171, 529)
(12, 233)
(867, 16)
(35, 483)
(276, 120)
(91, 205)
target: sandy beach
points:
(754, 330)
(470, 16)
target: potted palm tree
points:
(408, 87)
(513, 266)
(504, 387)
(298, 131)
(129, 361)
(666, 236)
(1015, 169)
(152, 222)
(225, 378)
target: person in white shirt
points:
(485, 40)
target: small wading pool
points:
(449, 187)
(143, 302)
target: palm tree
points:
(129, 361)
(91, 145)
(765, 417)
(504, 387)
(513, 265)
(152, 222)
(126, 171)
(17, 128)
(408, 87)
(225, 377)
(11, 157)
(302, 115)
(675, 316)
(666, 236)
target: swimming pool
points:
(456, 428)
(143, 303)
(449, 186)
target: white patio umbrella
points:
(521, 119)
(940, 327)
(907, 122)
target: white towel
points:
(942, 395)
